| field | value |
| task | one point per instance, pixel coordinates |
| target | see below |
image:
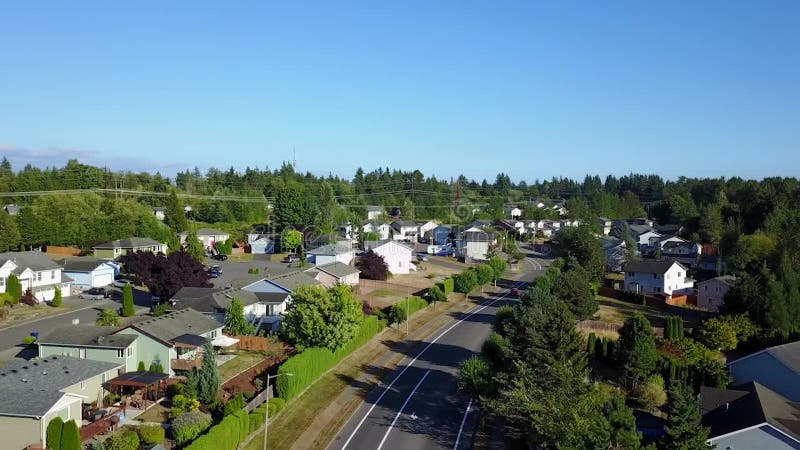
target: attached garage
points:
(89, 272)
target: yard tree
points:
(465, 281)
(57, 298)
(498, 265)
(370, 236)
(53, 433)
(581, 243)
(636, 349)
(320, 317)
(174, 215)
(194, 247)
(436, 294)
(573, 287)
(127, 301)
(208, 381)
(622, 424)
(165, 275)
(373, 266)
(718, 334)
(235, 322)
(484, 274)
(475, 376)
(291, 239)
(14, 288)
(683, 429)
(293, 206)
(107, 318)
(30, 228)
(70, 436)
(9, 233)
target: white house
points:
(260, 308)
(405, 230)
(89, 272)
(335, 273)
(207, 236)
(331, 253)
(605, 225)
(514, 212)
(398, 256)
(36, 272)
(473, 244)
(711, 293)
(374, 212)
(159, 212)
(275, 295)
(657, 277)
(382, 229)
(426, 227)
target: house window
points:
(2, 281)
(679, 274)
(655, 276)
(38, 276)
(105, 377)
(130, 352)
(52, 274)
(82, 353)
(120, 354)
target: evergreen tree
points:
(174, 215)
(53, 433)
(70, 436)
(235, 322)
(57, 298)
(9, 233)
(684, 430)
(141, 367)
(208, 381)
(636, 352)
(194, 247)
(14, 288)
(621, 424)
(127, 301)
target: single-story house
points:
(331, 253)
(750, 416)
(711, 293)
(34, 392)
(260, 244)
(398, 256)
(404, 230)
(777, 368)
(259, 307)
(173, 339)
(115, 249)
(36, 272)
(335, 273)
(93, 343)
(382, 229)
(89, 272)
(276, 294)
(657, 277)
(373, 212)
(11, 209)
(207, 236)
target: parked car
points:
(422, 257)
(213, 274)
(121, 283)
(220, 257)
(216, 268)
(94, 294)
(291, 258)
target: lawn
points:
(11, 315)
(155, 414)
(243, 361)
(617, 311)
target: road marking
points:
(463, 422)
(475, 310)
(386, 435)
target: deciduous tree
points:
(319, 317)
(373, 266)
(235, 322)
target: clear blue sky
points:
(533, 89)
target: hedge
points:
(225, 435)
(449, 286)
(401, 310)
(313, 362)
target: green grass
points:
(383, 293)
(243, 361)
(617, 311)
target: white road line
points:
(402, 408)
(474, 311)
(461, 428)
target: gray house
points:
(750, 416)
(777, 368)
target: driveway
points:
(235, 272)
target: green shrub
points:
(57, 298)
(253, 271)
(70, 436)
(189, 425)
(151, 433)
(53, 433)
(226, 435)
(182, 404)
(127, 440)
(436, 294)
(275, 405)
(5, 298)
(448, 286)
(309, 365)
(651, 394)
(128, 309)
(161, 309)
(465, 281)
(29, 340)
(399, 311)
(234, 404)
(141, 367)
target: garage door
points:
(102, 280)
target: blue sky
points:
(531, 89)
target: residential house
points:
(606, 225)
(513, 212)
(92, 343)
(374, 212)
(404, 230)
(516, 227)
(657, 277)
(441, 235)
(89, 272)
(331, 253)
(777, 368)
(711, 293)
(686, 253)
(34, 392)
(560, 208)
(120, 247)
(669, 229)
(335, 273)
(425, 228)
(473, 245)
(260, 244)
(615, 252)
(643, 234)
(276, 294)
(481, 224)
(398, 256)
(750, 416)
(381, 228)
(36, 272)
(207, 236)
(159, 212)
(260, 308)
(173, 340)
(11, 209)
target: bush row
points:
(447, 285)
(236, 427)
(400, 311)
(313, 362)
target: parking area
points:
(235, 273)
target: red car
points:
(516, 292)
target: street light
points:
(266, 410)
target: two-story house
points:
(514, 212)
(381, 228)
(606, 225)
(331, 253)
(36, 272)
(711, 293)
(92, 343)
(657, 277)
(120, 247)
(398, 256)
(374, 212)
(685, 252)
(405, 230)
(473, 244)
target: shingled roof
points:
(169, 326)
(88, 336)
(35, 261)
(131, 242)
(658, 267)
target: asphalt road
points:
(418, 406)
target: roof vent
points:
(24, 380)
(44, 372)
(13, 370)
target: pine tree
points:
(53, 433)
(637, 353)
(174, 215)
(194, 247)
(683, 429)
(622, 424)
(127, 301)
(70, 436)
(235, 322)
(14, 288)
(57, 298)
(208, 381)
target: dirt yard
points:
(380, 294)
